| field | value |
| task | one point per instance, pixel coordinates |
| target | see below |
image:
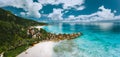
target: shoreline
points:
(44, 36)
(41, 49)
(46, 40)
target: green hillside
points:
(13, 30)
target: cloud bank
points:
(31, 9)
(102, 14)
(67, 4)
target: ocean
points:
(100, 39)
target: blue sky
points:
(64, 10)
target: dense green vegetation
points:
(15, 52)
(13, 31)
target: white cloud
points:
(56, 15)
(102, 14)
(71, 3)
(67, 4)
(71, 16)
(117, 17)
(105, 13)
(80, 8)
(31, 8)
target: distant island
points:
(16, 34)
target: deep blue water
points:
(98, 39)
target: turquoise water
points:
(98, 39)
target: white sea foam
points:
(42, 49)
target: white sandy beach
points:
(42, 49)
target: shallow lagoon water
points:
(98, 39)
